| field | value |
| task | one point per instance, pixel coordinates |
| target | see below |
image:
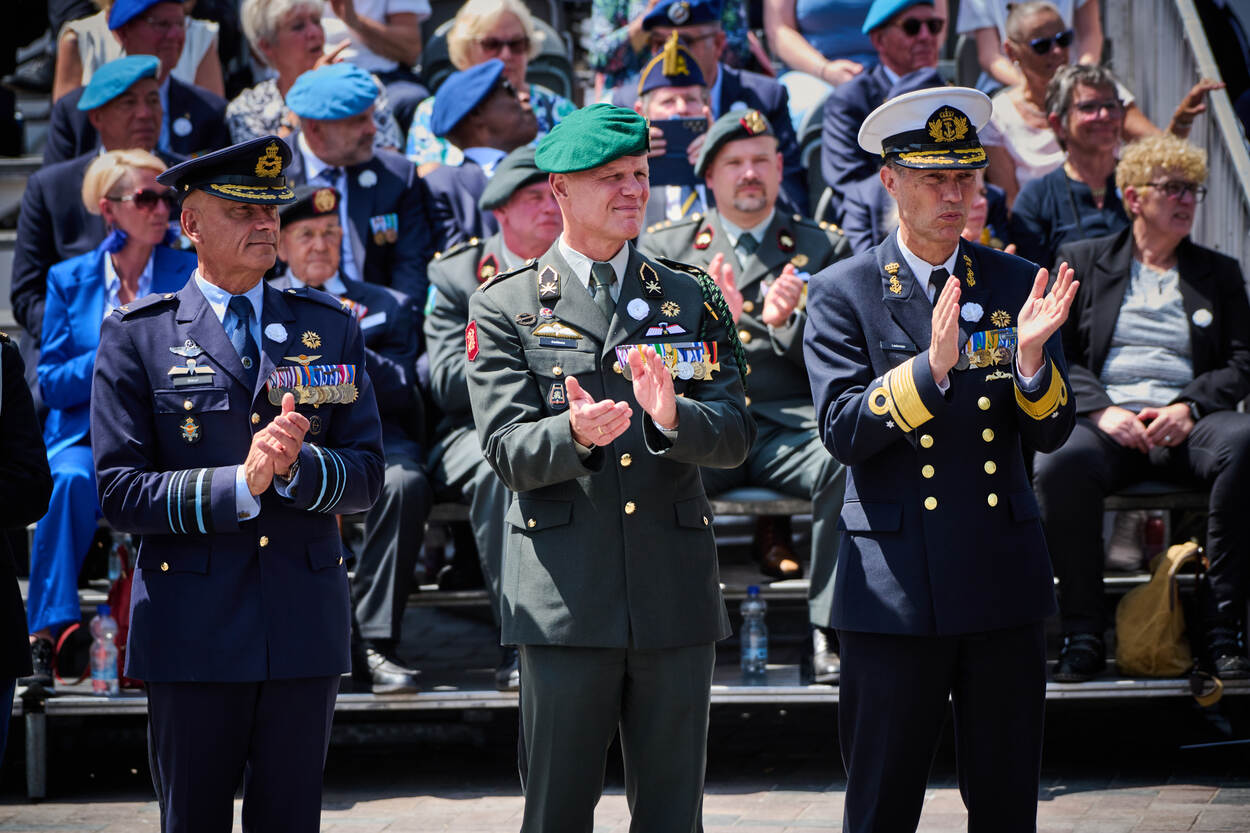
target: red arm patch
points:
(470, 341)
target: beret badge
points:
(679, 13)
(753, 123)
(324, 201)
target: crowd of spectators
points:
(412, 180)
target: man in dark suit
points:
(907, 37)
(478, 111)
(382, 210)
(230, 422)
(933, 364)
(698, 27)
(193, 120)
(610, 584)
(54, 225)
(395, 526)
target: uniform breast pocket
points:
(186, 411)
(536, 514)
(553, 367)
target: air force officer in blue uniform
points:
(933, 364)
(230, 422)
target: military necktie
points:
(937, 279)
(240, 331)
(602, 276)
(747, 244)
(334, 177)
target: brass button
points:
(988, 435)
(616, 366)
(340, 561)
(630, 507)
(747, 399)
(930, 503)
(748, 306)
(990, 467)
(168, 295)
(926, 471)
(264, 540)
(705, 520)
(164, 566)
(186, 405)
(627, 460)
(531, 523)
(557, 370)
(256, 419)
(984, 403)
(926, 441)
(744, 336)
(991, 499)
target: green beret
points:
(514, 172)
(734, 125)
(592, 136)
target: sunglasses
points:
(148, 199)
(1176, 189)
(912, 25)
(494, 46)
(1043, 45)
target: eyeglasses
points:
(165, 26)
(494, 46)
(147, 199)
(1176, 189)
(1092, 108)
(1043, 45)
(911, 26)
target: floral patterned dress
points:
(260, 111)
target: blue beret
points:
(880, 12)
(124, 11)
(674, 67)
(682, 13)
(115, 77)
(590, 137)
(336, 91)
(461, 92)
(250, 171)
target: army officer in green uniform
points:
(762, 258)
(601, 380)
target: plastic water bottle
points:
(754, 636)
(103, 652)
(117, 557)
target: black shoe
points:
(388, 675)
(1083, 657)
(508, 674)
(41, 656)
(1227, 651)
(826, 667)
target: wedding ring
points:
(601, 430)
(1167, 438)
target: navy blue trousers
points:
(893, 700)
(272, 736)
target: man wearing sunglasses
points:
(477, 110)
(907, 35)
(193, 119)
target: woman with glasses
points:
(133, 261)
(483, 30)
(287, 34)
(988, 22)
(1158, 350)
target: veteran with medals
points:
(601, 380)
(230, 422)
(934, 362)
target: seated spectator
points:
(123, 105)
(485, 30)
(132, 262)
(672, 87)
(25, 487)
(480, 111)
(87, 44)
(310, 245)
(386, 237)
(1078, 200)
(906, 37)
(193, 119)
(529, 223)
(1157, 349)
(761, 258)
(383, 37)
(988, 22)
(702, 32)
(619, 46)
(287, 35)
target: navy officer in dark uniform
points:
(933, 363)
(230, 422)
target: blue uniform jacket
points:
(72, 316)
(452, 192)
(942, 533)
(216, 599)
(71, 134)
(842, 160)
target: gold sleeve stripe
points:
(1054, 397)
(881, 403)
(906, 397)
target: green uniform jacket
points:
(778, 386)
(614, 550)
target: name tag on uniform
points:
(899, 346)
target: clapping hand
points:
(782, 298)
(595, 422)
(1042, 314)
(723, 274)
(275, 447)
(944, 343)
(653, 386)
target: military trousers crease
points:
(574, 701)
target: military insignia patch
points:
(752, 122)
(525, 319)
(324, 201)
(314, 425)
(895, 287)
(310, 340)
(971, 279)
(269, 165)
(546, 313)
(670, 308)
(1000, 318)
(799, 261)
(679, 12)
(470, 341)
(188, 350)
(664, 328)
(555, 329)
(650, 282)
(948, 125)
(191, 433)
(549, 284)
(302, 359)
(556, 397)
(785, 240)
(191, 374)
(487, 268)
(703, 239)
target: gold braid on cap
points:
(674, 61)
